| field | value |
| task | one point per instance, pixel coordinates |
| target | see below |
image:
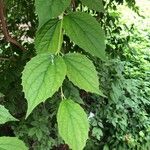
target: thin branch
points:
(5, 30)
(4, 59)
(73, 5)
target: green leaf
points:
(97, 132)
(82, 72)
(106, 147)
(42, 77)
(94, 4)
(1, 95)
(49, 38)
(11, 143)
(5, 116)
(49, 9)
(72, 92)
(73, 124)
(86, 32)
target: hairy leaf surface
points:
(73, 124)
(86, 32)
(42, 77)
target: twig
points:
(4, 59)
(73, 5)
(5, 30)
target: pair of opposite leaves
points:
(81, 28)
(45, 73)
(67, 106)
(43, 76)
(49, 9)
(41, 72)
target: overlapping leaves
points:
(82, 29)
(45, 73)
(49, 9)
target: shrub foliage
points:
(73, 76)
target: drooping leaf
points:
(11, 143)
(71, 92)
(42, 77)
(49, 9)
(82, 72)
(86, 32)
(73, 124)
(49, 38)
(5, 116)
(94, 4)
